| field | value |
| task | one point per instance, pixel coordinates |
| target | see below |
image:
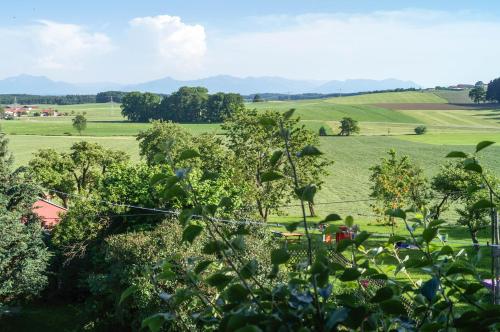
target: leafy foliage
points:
(79, 123)
(348, 126)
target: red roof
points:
(49, 213)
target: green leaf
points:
(202, 266)
(237, 293)
(127, 292)
(306, 193)
(191, 232)
(474, 167)
(238, 243)
(267, 121)
(382, 294)
(219, 280)
(446, 250)
(175, 191)
(279, 256)
(396, 213)
(276, 157)
(361, 237)
(396, 238)
(473, 288)
(185, 216)
(430, 288)
(343, 244)
(166, 272)
(309, 150)
(213, 247)
(393, 307)
(270, 176)
(429, 234)
(288, 114)
(350, 274)
(379, 276)
(332, 217)
(335, 317)
(459, 269)
(483, 145)
(207, 175)
(482, 204)
(226, 203)
(349, 221)
(188, 154)
(154, 322)
(456, 154)
(155, 179)
(249, 269)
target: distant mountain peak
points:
(42, 85)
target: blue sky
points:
(430, 42)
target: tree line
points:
(188, 104)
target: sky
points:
(429, 42)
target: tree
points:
(420, 130)
(105, 97)
(222, 105)
(79, 171)
(461, 187)
(397, 183)
(23, 257)
(6, 159)
(80, 123)
(493, 91)
(257, 98)
(348, 126)
(477, 94)
(322, 131)
(140, 107)
(188, 104)
(23, 254)
(260, 149)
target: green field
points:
(391, 97)
(381, 129)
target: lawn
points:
(453, 138)
(465, 118)
(390, 98)
(23, 146)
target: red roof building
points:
(50, 213)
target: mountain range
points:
(41, 85)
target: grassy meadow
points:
(382, 129)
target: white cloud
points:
(67, 46)
(428, 47)
(175, 42)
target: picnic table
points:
(292, 237)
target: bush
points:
(322, 131)
(420, 130)
(36, 114)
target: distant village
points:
(15, 110)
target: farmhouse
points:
(49, 212)
(48, 112)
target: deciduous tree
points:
(348, 126)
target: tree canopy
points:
(348, 126)
(188, 104)
(493, 92)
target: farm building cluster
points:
(28, 110)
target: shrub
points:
(322, 131)
(420, 130)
